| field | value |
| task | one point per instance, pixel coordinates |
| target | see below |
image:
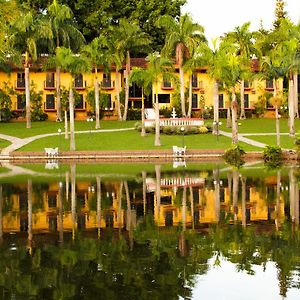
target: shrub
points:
(203, 129)
(208, 126)
(169, 130)
(234, 156)
(273, 156)
(150, 129)
(134, 114)
(138, 126)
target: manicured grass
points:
(132, 140)
(260, 125)
(4, 143)
(18, 129)
(285, 140)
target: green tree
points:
(65, 34)
(128, 36)
(182, 38)
(97, 55)
(214, 57)
(28, 30)
(243, 38)
(157, 67)
(75, 64)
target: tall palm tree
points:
(213, 57)
(65, 34)
(182, 37)
(232, 72)
(243, 38)
(128, 37)
(157, 68)
(97, 56)
(75, 64)
(28, 29)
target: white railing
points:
(175, 122)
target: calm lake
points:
(145, 231)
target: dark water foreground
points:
(202, 231)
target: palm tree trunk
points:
(192, 206)
(58, 102)
(143, 133)
(118, 96)
(98, 181)
(242, 92)
(127, 73)
(278, 185)
(190, 97)
(277, 126)
(157, 191)
(216, 107)
(27, 95)
(73, 199)
(157, 125)
(216, 174)
(144, 176)
(72, 129)
(60, 213)
(243, 180)
(291, 107)
(97, 106)
(235, 192)
(182, 100)
(228, 120)
(234, 118)
(66, 125)
(29, 191)
(296, 98)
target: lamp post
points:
(217, 124)
(59, 134)
(90, 120)
(182, 132)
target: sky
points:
(220, 16)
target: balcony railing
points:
(49, 84)
(107, 84)
(20, 84)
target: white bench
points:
(179, 151)
(51, 152)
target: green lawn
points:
(18, 129)
(285, 140)
(260, 125)
(4, 143)
(131, 140)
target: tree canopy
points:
(95, 17)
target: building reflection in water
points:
(186, 199)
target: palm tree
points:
(28, 29)
(157, 68)
(182, 37)
(214, 57)
(75, 64)
(243, 38)
(97, 56)
(232, 72)
(64, 34)
(128, 36)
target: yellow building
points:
(44, 82)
